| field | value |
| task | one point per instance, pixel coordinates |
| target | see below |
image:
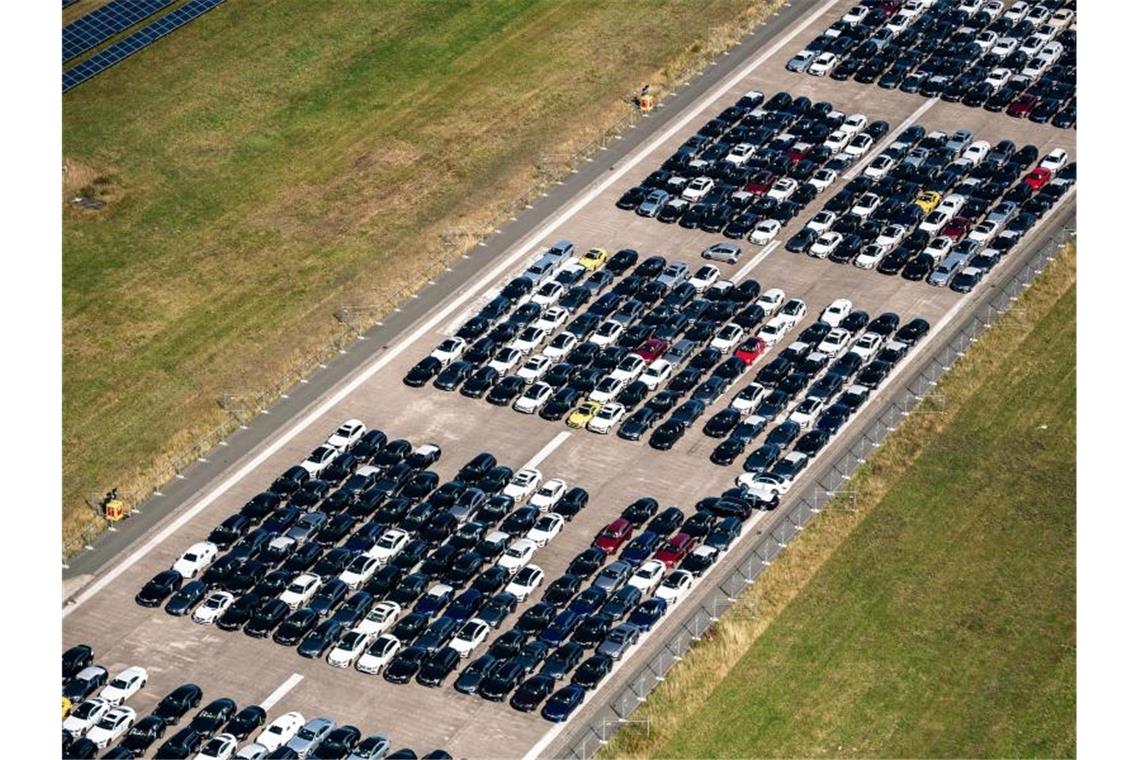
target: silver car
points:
(371, 748)
(946, 270)
(674, 274)
(619, 641)
(727, 252)
(653, 203)
(613, 576)
(310, 735)
(800, 61)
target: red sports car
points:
(611, 537)
(1038, 178)
(652, 349)
(957, 227)
(676, 550)
(1021, 107)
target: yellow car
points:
(581, 416)
(594, 258)
(928, 200)
(67, 706)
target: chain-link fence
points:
(828, 486)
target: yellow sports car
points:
(594, 258)
(581, 416)
(66, 706)
(928, 200)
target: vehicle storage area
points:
(514, 503)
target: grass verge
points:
(939, 619)
(257, 180)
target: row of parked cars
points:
(754, 167)
(944, 208)
(214, 732)
(406, 550)
(1021, 58)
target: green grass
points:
(276, 160)
(940, 620)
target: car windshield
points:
(307, 734)
(119, 683)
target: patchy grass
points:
(257, 179)
(939, 619)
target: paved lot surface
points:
(614, 471)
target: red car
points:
(750, 350)
(957, 227)
(1038, 178)
(761, 182)
(1021, 107)
(611, 537)
(676, 550)
(652, 349)
(800, 151)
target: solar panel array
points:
(69, 2)
(125, 48)
(102, 24)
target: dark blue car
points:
(563, 703)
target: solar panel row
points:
(153, 31)
(69, 2)
(102, 24)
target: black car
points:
(177, 703)
(268, 617)
(214, 715)
(722, 423)
(438, 667)
(762, 458)
(454, 375)
(572, 502)
(158, 588)
(405, 664)
(411, 626)
(532, 692)
(320, 639)
(502, 680)
(918, 268)
(783, 434)
(506, 390)
(338, 743)
(479, 382)
(913, 331)
(563, 660)
(587, 562)
(186, 598)
(665, 436)
(76, 659)
(472, 676)
(240, 612)
(143, 734)
(562, 589)
(183, 744)
(331, 594)
(591, 672)
(497, 609)
(423, 371)
(873, 374)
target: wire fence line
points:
(611, 715)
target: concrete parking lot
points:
(615, 472)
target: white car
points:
(1055, 160)
(859, 145)
(825, 245)
(533, 397)
(196, 559)
(675, 585)
(823, 179)
(806, 412)
(302, 589)
(221, 747)
(85, 715)
(525, 582)
(518, 554)
(997, 78)
(549, 495)
(553, 318)
(823, 65)
(794, 310)
(629, 368)
(866, 205)
(697, 189)
(727, 337)
(939, 247)
(470, 635)
(283, 546)
(1061, 19)
(867, 345)
(656, 373)
(704, 277)
(281, 730)
(837, 140)
(523, 484)
(212, 607)
(766, 487)
(606, 418)
(449, 350)
(879, 167)
(740, 153)
(855, 123)
(562, 344)
(546, 528)
(252, 751)
(775, 330)
(528, 340)
(891, 235)
(856, 14)
(976, 152)
(548, 293)
(836, 312)
(607, 332)
(351, 430)
(359, 571)
(648, 576)
(391, 543)
(870, 256)
(822, 221)
(771, 300)
(984, 232)
(834, 342)
(379, 619)
(114, 723)
(348, 649)
(505, 360)
(749, 397)
(783, 188)
(1017, 11)
(379, 654)
(764, 232)
(607, 390)
(536, 366)
(321, 458)
(124, 686)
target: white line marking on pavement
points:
(755, 261)
(281, 691)
(507, 261)
(855, 170)
(547, 450)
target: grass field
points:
(279, 159)
(938, 620)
